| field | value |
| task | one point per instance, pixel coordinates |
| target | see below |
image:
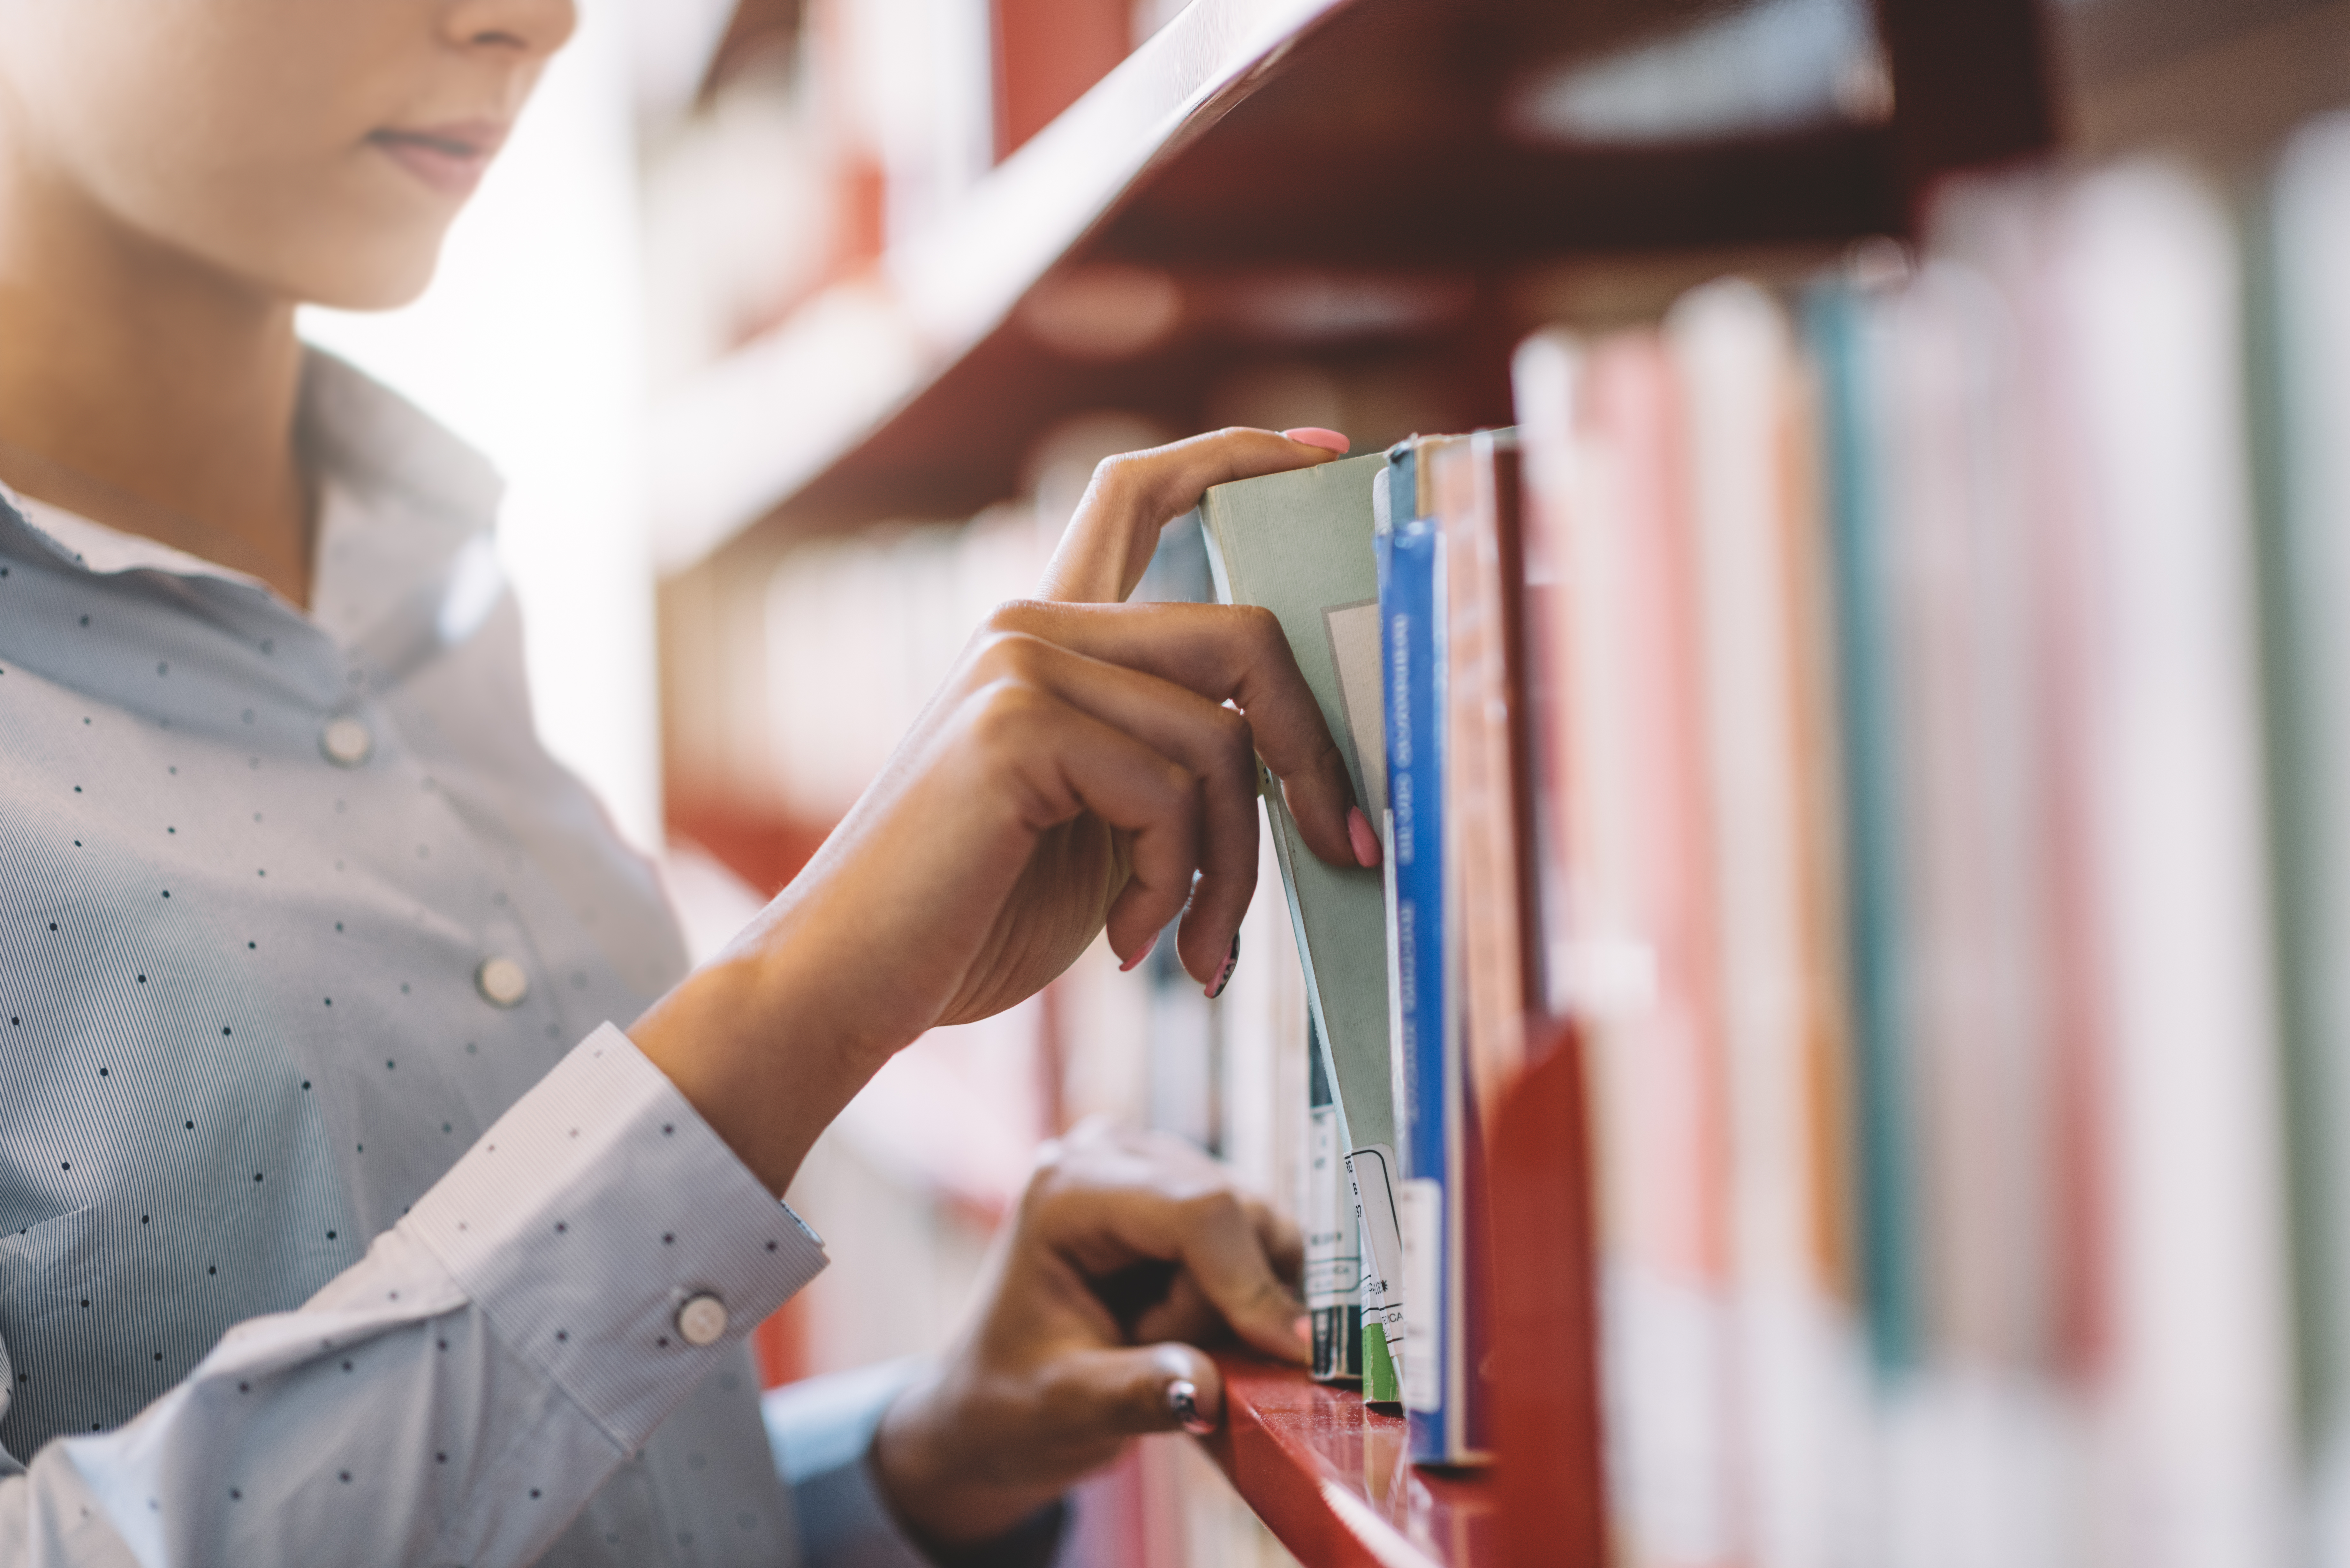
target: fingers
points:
(1106, 1199)
(1209, 741)
(1063, 761)
(1223, 1252)
(1109, 541)
(1225, 653)
(1285, 1244)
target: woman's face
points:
(314, 149)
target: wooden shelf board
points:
(1250, 134)
(1331, 1480)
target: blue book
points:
(1410, 555)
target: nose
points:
(535, 28)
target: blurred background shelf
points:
(1370, 189)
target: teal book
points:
(1841, 323)
(2299, 323)
(1299, 545)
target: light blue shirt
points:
(338, 1223)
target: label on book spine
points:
(1370, 1172)
(1334, 1258)
(1423, 1260)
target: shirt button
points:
(346, 741)
(502, 982)
(701, 1320)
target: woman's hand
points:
(1079, 768)
(1128, 1250)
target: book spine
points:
(2302, 375)
(1795, 1409)
(1416, 793)
(1638, 966)
(2146, 287)
(1334, 1252)
(1840, 323)
(1370, 1177)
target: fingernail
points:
(1303, 1328)
(1183, 1403)
(1359, 835)
(1315, 435)
(1140, 956)
(1224, 975)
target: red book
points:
(1630, 944)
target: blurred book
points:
(1841, 326)
(1792, 1330)
(1918, 791)
(2143, 284)
(1635, 965)
(2302, 386)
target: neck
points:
(147, 389)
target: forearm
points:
(726, 1038)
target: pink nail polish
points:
(1136, 961)
(1359, 835)
(1224, 976)
(1315, 435)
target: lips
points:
(451, 159)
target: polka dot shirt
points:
(337, 1224)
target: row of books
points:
(1889, 730)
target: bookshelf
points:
(1330, 1477)
(1339, 182)
(1246, 173)
(912, 388)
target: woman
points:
(341, 1223)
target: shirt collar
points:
(402, 500)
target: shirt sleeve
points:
(457, 1395)
(822, 1431)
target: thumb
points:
(1130, 1392)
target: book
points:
(1931, 812)
(1844, 333)
(1797, 1405)
(1334, 1252)
(1443, 1249)
(1547, 1411)
(2302, 383)
(1405, 551)
(1469, 485)
(1300, 544)
(2144, 295)
(1627, 796)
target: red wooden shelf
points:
(1253, 149)
(1332, 1480)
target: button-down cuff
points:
(598, 1212)
(822, 1430)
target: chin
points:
(371, 284)
(363, 267)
